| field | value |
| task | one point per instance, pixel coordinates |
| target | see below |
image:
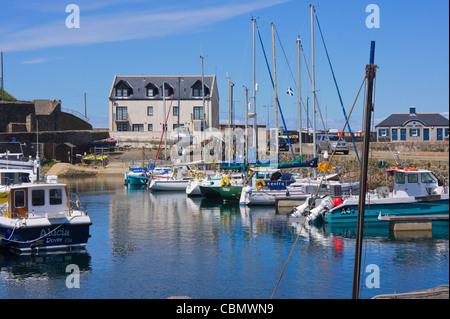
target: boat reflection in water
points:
(161, 244)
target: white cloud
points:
(111, 27)
(36, 61)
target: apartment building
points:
(140, 105)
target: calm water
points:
(156, 245)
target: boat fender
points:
(200, 173)
(191, 173)
(260, 184)
(337, 201)
(225, 181)
(325, 167)
(78, 204)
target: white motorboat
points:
(40, 217)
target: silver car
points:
(324, 145)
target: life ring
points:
(191, 173)
(200, 173)
(225, 181)
(260, 184)
(325, 167)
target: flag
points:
(289, 91)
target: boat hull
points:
(210, 191)
(44, 235)
(168, 185)
(137, 180)
(193, 188)
(347, 213)
(230, 193)
(268, 198)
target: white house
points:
(140, 105)
(413, 127)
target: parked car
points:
(324, 144)
(282, 144)
(293, 136)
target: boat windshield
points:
(427, 178)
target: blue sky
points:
(43, 59)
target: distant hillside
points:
(8, 97)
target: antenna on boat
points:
(37, 153)
(370, 75)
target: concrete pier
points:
(410, 223)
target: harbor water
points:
(156, 245)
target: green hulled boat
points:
(230, 192)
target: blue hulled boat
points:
(416, 192)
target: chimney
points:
(412, 110)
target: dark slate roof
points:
(138, 85)
(427, 119)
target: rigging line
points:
(315, 196)
(278, 102)
(337, 88)
(165, 126)
(285, 57)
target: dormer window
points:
(151, 90)
(123, 89)
(197, 89)
(168, 89)
(121, 92)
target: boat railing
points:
(75, 204)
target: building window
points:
(394, 134)
(168, 90)
(138, 127)
(414, 132)
(383, 132)
(121, 92)
(197, 92)
(175, 110)
(122, 127)
(198, 113)
(150, 127)
(150, 110)
(403, 134)
(152, 90)
(121, 113)
(197, 89)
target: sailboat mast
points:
(370, 75)
(313, 80)
(275, 88)
(246, 125)
(299, 99)
(164, 126)
(255, 127)
(203, 111)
